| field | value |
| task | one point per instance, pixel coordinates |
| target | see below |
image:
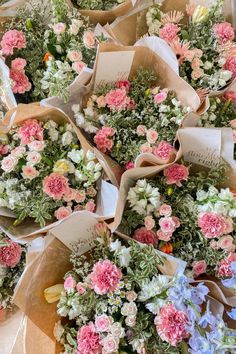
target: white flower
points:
(117, 330)
(90, 166)
(76, 108)
(79, 118)
(129, 309)
(202, 195)
(53, 134)
(225, 75)
(207, 65)
(116, 246)
(76, 155)
(67, 138)
(90, 155)
(50, 124)
(154, 287)
(89, 111)
(225, 194)
(130, 321)
(80, 176)
(59, 49)
(124, 257)
(155, 306)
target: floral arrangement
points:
(43, 164)
(12, 263)
(117, 301)
(97, 4)
(133, 117)
(204, 47)
(183, 213)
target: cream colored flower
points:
(200, 14)
(53, 293)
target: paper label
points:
(113, 66)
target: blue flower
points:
(207, 318)
(232, 314)
(199, 344)
(233, 267)
(229, 283)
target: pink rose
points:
(62, 213)
(20, 81)
(164, 150)
(110, 344)
(149, 222)
(224, 32)
(196, 63)
(12, 39)
(199, 267)
(80, 196)
(29, 172)
(70, 195)
(90, 206)
(69, 283)
(226, 242)
(19, 151)
(152, 136)
(129, 309)
(89, 39)
(18, 64)
(59, 28)
(214, 245)
(131, 295)
(101, 102)
(175, 174)
(167, 225)
(164, 236)
(80, 288)
(91, 192)
(160, 97)
(103, 323)
(33, 158)
(9, 163)
(141, 130)
(36, 145)
(189, 55)
(78, 66)
(145, 236)
(197, 73)
(165, 210)
(75, 55)
(169, 32)
(230, 65)
(130, 321)
(4, 149)
(146, 149)
(197, 52)
(228, 225)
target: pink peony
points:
(212, 224)
(75, 56)
(165, 210)
(152, 136)
(18, 64)
(171, 325)
(29, 172)
(169, 32)
(63, 212)
(124, 84)
(175, 174)
(167, 225)
(4, 149)
(149, 223)
(12, 39)
(69, 283)
(103, 323)
(90, 206)
(78, 66)
(30, 130)
(230, 65)
(164, 236)
(21, 82)
(160, 97)
(88, 341)
(55, 185)
(224, 266)
(145, 236)
(10, 255)
(224, 32)
(105, 277)
(59, 28)
(129, 165)
(164, 150)
(199, 267)
(117, 99)
(9, 163)
(89, 39)
(231, 96)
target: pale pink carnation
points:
(199, 267)
(89, 39)
(63, 212)
(230, 65)
(117, 99)
(169, 32)
(228, 225)
(4, 149)
(146, 148)
(33, 158)
(160, 97)
(224, 266)
(101, 102)
(171, 325)
(90, 206)
(74, 55)
(29, 172)
(141, 130)
(167, 224)
(212, 224)
(19, 151)
(88, 341)
(224, 32)
(36, 145)
(164, 150)
(149, 222)
(69, 283)
(80, 196)
(55, 185)
(12, 39)
(226, 242)
(129, 165)
(164, 236)
(103, 139)
(110, 344)
(70, 195)
(231, 96)
(152, 136)
(165, 210)
(21, 82)
(175, 174)
(105, 277)
(78, 66)
(103, 323)
(10, 255)
(59, 28)
(145, 236)
(29, 131)
(18, 64)
(9, 163)
(124, 84)
(80, 288)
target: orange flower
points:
(167, 248)
(47, 57)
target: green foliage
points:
(97, 4)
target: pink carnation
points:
(103, 139)
(129, 165)
(69, 283)
(88, 341)
(230, 65)
(4, 149)
(224, 32)
(145, 236)
(123, 84)
(169, 32)
(230, 95)
(160, 97)
(55, 185)
(63, 212)
(175, 174)
(224, 266)
(171, 325)
(12, 39)
(10, 255)
(117, 99)
(164, 150)
(18, 64)
(29, 131)
(80, 288)
(21, 82)
(105, 277)
(212, 224)
(199, 267)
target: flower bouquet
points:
(12, 263)
(204, 47)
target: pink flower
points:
(212, 224)
(131, 295)
(160, 97)
(146, 148)
(176, 221)
(21, 82)
(130, 321)
(36, 145)
(165, 210)
(214, 245)
(225, 242)
(10, 255)
(29, 131)
(88, 341)
(110, 344)
(69, 283)
(78, 66)
(74, 55)
(55, 185)
(18, 64)
(145, 236)
(197, 52)
(19, 151)
(29, 172)
(102, 229)
(33, 158)
(230, 65)
(152, 136)
(175, 174)
(149, 222)
(105, 277)
(167, 225)
(199, 267)
(171, 325)
(224, 266)
(164, 150)
(129, 165)
(90, 206)
(231, 96)
(197, 73)
(196, 63)
(117, 99)
(80, 196)
(9, 163)
(91, 192)
(124, 84)
(89, 39)
(4, 149)
(12, 39)
(224, 32)
(228, 225)
(169, 32)
(70, 195)
(103, 323)
(80, 288)
(59, 28)
(141, 130)
(101, 102)
(164, 236)
(103, 139)
(63, 212)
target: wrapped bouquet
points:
(204, 47)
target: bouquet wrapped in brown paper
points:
(48, 171)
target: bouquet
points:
(44, 164)
(12, 263)
(204, 47)
(184, 213)
(115, 300)
(131, 117)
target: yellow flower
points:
(147, 92)
(63, 167)
(53, 293)
(200, 14)
(170, 191)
